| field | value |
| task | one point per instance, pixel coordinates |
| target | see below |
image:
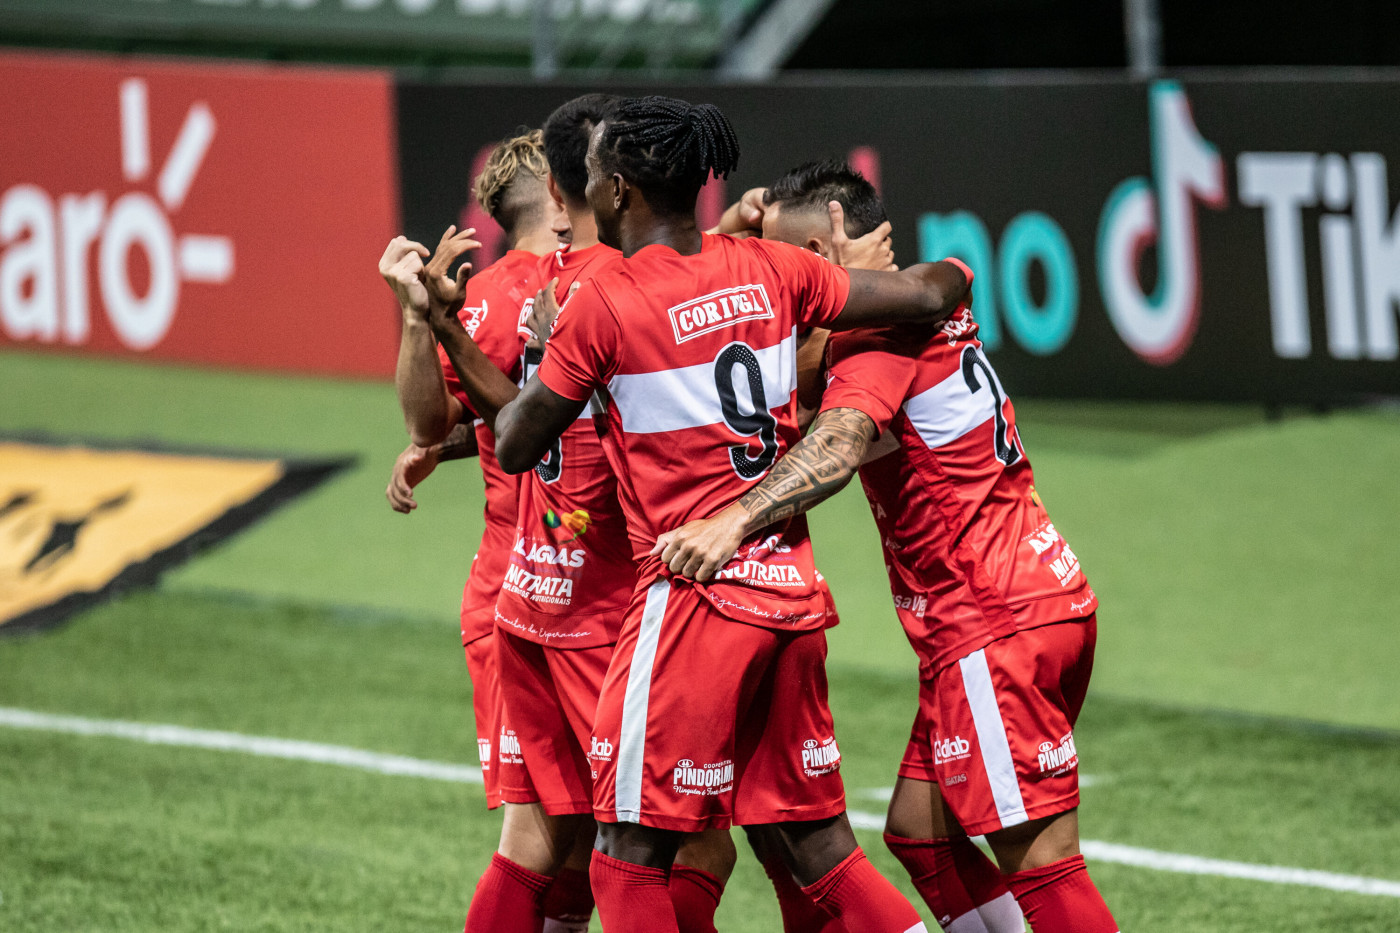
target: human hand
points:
(874, 250)
(402, 267)
(447, 294)
(410, 469)
(699, 548)
(543, 311)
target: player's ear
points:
(554, 194)
(620, 191)
(818, 246)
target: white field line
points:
(293, 750)
(289, 749)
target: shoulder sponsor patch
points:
(79, 525)
(718, 310)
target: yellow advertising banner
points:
(78, 524)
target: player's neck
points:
(538, 241)
(584, 228)
(678, 231)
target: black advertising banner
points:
(1197, 239)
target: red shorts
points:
(704, 722)
(549, 696)
(486, 704)
(995, 730)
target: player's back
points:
(698, 357)
(971, 551)
(570, 570)
(490, 315)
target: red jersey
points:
(972, 554)
(490, 315)
(697, 357)
(570, 571)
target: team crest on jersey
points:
(718, 310)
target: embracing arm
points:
(528, 425)
(815, 470)
(488, 389)
(927, 293)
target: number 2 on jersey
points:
(973, 360)
(760, 422)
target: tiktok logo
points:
(1186, 169)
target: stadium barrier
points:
(1216, 237)
(201, 213)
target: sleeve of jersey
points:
(582, 348)
(824, 286)
(496, 334)
(869, 372)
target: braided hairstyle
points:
(668, 148)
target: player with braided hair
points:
(713, 710)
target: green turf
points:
(1242, 565)
(100, 833)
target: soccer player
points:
(571, 571)
(512, 188)
(990, 595)
(714, 708)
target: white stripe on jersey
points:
(950, 409)
(674, 399)
(991, 738)
(632, 743)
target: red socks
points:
(800, 913)
(863, 899)
(631, 898)
(695, 896)
(1060, 898)
(568, 904)
(507, 899)
(961, 886)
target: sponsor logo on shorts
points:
(1081, 605)
(820, 758)
(1055, 760)
(707, 780)
(916, 605)
(955, 779)
(718, 310)
(954, 748)
(600, 749)
(483, 751)
(509, 748)
(1054, 552)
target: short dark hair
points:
(812, 185)
(566, 134)
(668, 148)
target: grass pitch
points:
(1243, 567)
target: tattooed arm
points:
(812, 472)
